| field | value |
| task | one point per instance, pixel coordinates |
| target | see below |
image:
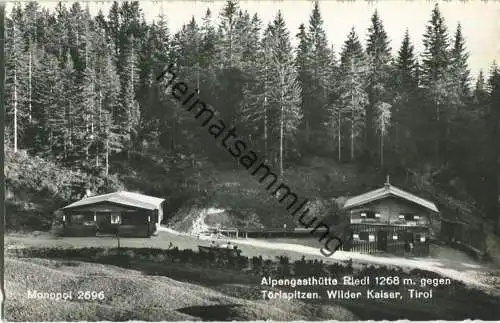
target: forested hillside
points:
(82, 95)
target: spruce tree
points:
(353, 97)
(480, 89)
(303, 63)
(17, 85)
(29, 27)
(459, 69)
(406, 64)
(109, 138)
(57, 33)
(462, 117)
(228, 48)
(285, 90)
(255, 105)
(231, 73)
(321, 67)
(208, 47)
(382, 123)
(406, 108)
(114, 25)
(379, 55)
(127, 119)
(436, 77)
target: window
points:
(134, 218)
(103, 216)
(408, 217)
(76, 218)
(363, 236)
(82, 218)
(115, 218)
(369, 214)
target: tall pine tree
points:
(353, 97)
(436, 77)
(406, 106)
(379, 104)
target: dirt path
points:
(444, 261)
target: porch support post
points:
(95, 222)
(149, 222)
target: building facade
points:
(391, 220)
(123, 213)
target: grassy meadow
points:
(136, 295)
(145, 288)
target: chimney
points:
(387, 184)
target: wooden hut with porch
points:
(133, 214)
(391, 220)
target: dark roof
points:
(387, 191)
(122, 198)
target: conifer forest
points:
(81, 95)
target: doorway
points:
(103, 221)
(382, 240)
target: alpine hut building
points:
(133, 214)
(391, 220)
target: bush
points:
(37, 187)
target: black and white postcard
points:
(232, 160)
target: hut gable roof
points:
(388, 191)
(122, 198)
